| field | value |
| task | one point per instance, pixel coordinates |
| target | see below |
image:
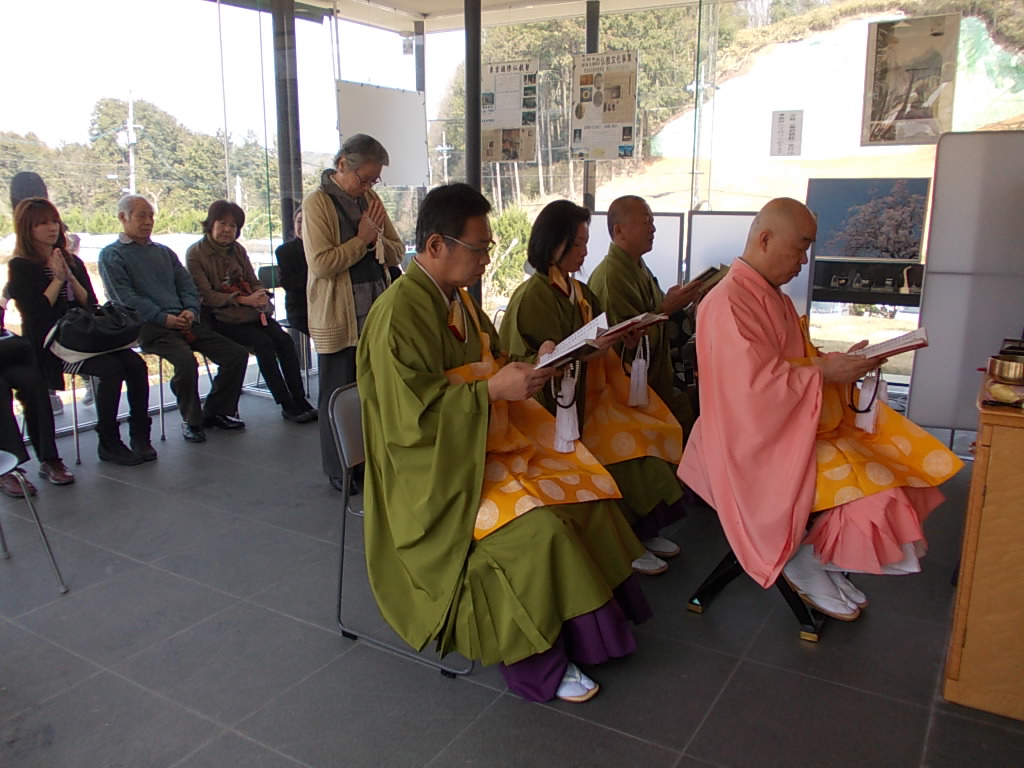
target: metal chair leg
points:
(160, 389)
(74, 421)
(3, 545)
(354, 634)
(42, 533)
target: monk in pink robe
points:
(776, 440)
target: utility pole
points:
(127, 137)
(445, 150)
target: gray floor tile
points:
(369, 709)
(771, 718)
(104, 721)
(143, 528)
(515, 733)
(896, 656)
(246, 558)
(32, 670)
(233, 663)
(27, 580)
(660, 693)
(954, 742)
(949, 708)
(233, 751)
(141, 608)
(309, 594)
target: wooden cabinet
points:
(985, 666)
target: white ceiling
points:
(443, 15)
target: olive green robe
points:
(539, 311)
(506, 596)
(626, 289)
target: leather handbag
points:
(84, 333)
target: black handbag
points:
(84, 333)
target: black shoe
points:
(294, 411)
(193, 434)
(145, 449)
(338, 484)
(223, 421)
(119, 453)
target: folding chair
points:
(160, 389)
(8, 462)
(347, 428)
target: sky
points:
(62, 56)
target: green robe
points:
(502, 598)
(539, 311)
(626, 289)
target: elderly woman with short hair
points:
(350, 242)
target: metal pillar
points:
(589, 166)
(286, 87)
(474, 30)
(419, 52)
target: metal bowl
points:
(1009, 369)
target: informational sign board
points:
(508, 110)
(787, 133)
(604, 105)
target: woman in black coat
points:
(46, 281)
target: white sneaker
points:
(576, 686)
(649, 564)
(805, 574)
(661, 546)
(848, 590)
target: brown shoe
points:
(10, 485)
(55, 471)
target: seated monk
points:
(640, 445)
(479, 535)
(776, 440)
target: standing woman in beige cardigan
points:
(350, 243)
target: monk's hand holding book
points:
(518, 381)
(679, 296)
(848, 367)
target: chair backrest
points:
(347, 425)
(268, 275)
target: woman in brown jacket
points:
(239, 307)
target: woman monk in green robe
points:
(551, 304)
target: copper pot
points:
(1009, 369)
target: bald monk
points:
(480, 536)
(625, 287)
(776, 441)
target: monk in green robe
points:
(464, 545)
(552, 304)
(626, 288)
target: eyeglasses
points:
(367, 182)
(488, 249)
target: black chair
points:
(729, 568)
(347, 428)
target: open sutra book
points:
(594, 336)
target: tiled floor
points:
(199, 633)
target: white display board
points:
(397, 119)
(718, 237)
(665, 259)
(973, 293)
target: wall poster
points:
(508, 108)
(908, 86)
(604, 105)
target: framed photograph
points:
(909, 80)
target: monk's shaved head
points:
(631, 225)
(779, 238)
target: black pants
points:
(275, 354)
(112, 369)
(231, 360)
(24, 379)
(335, 370)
